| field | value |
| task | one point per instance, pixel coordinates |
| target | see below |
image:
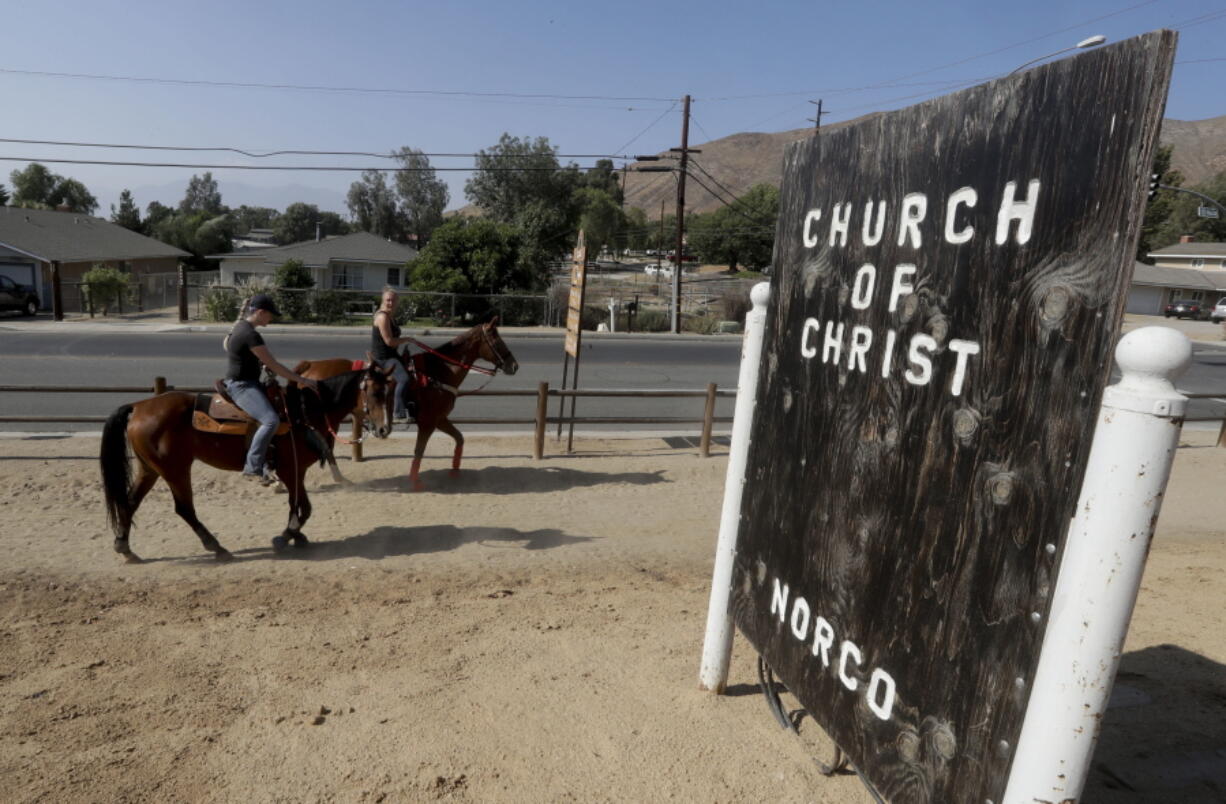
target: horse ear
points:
(493, 322)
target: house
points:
(359, 261)
(1186, 270)
(1187, 254)
(31, 239)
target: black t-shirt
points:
(243, 364)
(378, 347)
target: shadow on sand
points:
(505, 480)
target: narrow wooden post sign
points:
(950, 283)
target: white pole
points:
(1129, 464)
(717, 645)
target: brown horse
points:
(362, 411)
(160, 433)
(443, 370)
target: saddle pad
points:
(212, 414)
(419, 378)
(204, 423)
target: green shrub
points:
(736, 304)
(330, 306)
(520, 311)
(701, 324)
(221, 303)
(103, 286)
(651, 321)
(293, 280)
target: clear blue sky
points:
(749, 67)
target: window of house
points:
(393, 277)
(1198, 263)
(346, 276)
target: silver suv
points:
(1219, 311)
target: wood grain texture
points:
(926, 528)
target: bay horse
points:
(437, 378)
(165, 444)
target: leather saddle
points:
(217, 413)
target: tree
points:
(292, 279)
(4, 196)
(155, 213)
(33, 186)
(474, 255)
(1185, 220)
(600, 218)
(128, 214)
(604, 177)
(423, 196)
(1159, 208)
(202, 196)
(247, 218)
(636, 230)
(743, 233)
(373, 205)
(515, 173)
(297, 224)
(72, 194)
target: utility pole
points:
(685, 153)
(817, 119)
(660, 250)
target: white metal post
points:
(717, 644)
(1129, 464)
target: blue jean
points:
(402, 382)
(251, 398)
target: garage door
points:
(1145, 300)
(20, 272)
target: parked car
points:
(1219, 312)
(1186, 308)
(17, 297)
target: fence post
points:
(140, 296)
(182, 294)
(1221, 434)
(542, 402)
(356, 440)
(57, 294)
(159, 385)
(707, 417)
(89, 297)
(717, 644)
(1100, 571)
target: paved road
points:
(101, 358)
(195, 358)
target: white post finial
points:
(1100, 572)
(717, 645)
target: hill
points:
(737, 162)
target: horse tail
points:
(117, 470)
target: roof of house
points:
(1191, 250)
(358, 247)
(74, 237)
(1191, 278)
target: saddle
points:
(217, 413)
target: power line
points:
(255, 155)
(377, 168)
(324, 88)
(650, 126)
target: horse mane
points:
(333, 389)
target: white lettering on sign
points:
(1022, 212)
(880, 692)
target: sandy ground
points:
(529, 631)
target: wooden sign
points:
(574, 307)
(950, 283)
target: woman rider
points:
(247, 352)
(384, 338)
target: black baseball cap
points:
(262, 301)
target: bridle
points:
(364, 389)
(498, 360)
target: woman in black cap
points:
(247, 352)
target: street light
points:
(1093, 41)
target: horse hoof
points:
(279, 543)
(301, 542)
(224, 555)
(280, 488)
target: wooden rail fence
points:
(540, 420)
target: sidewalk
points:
(1199, 331)
(157, 323)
